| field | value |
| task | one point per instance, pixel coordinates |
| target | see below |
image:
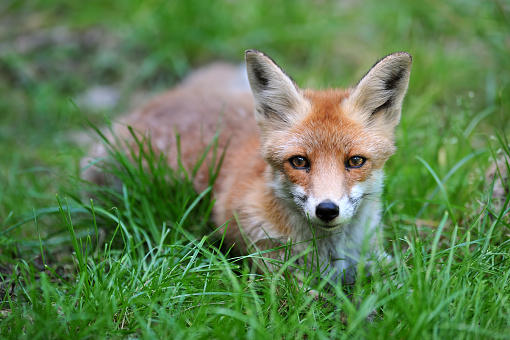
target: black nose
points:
(326, 211)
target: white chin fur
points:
(333, 227)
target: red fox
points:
(309, 166)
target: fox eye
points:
(299, 162)
(355, 162)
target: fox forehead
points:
(329, 132)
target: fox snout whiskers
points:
(331, 214)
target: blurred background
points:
(59, 58)
(446, 205)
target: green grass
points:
(144, 261)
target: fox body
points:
(308, 167)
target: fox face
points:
(326, 149)
(326, 166)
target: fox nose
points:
(326, 211)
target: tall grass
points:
(142, 259)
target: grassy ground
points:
(136, 263)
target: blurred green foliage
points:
(456, 115)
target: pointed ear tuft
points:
(277, 97)
(377, 99)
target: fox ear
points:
(377, 99)
(277, 98)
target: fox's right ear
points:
(278, 102)
(377, 99)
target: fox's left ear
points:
(377, 99)
(278, 101)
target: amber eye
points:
(299, 162)
(355, 162)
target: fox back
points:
(309, 171)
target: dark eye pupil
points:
(355, 161)
(299, 162)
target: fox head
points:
(326, 149)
